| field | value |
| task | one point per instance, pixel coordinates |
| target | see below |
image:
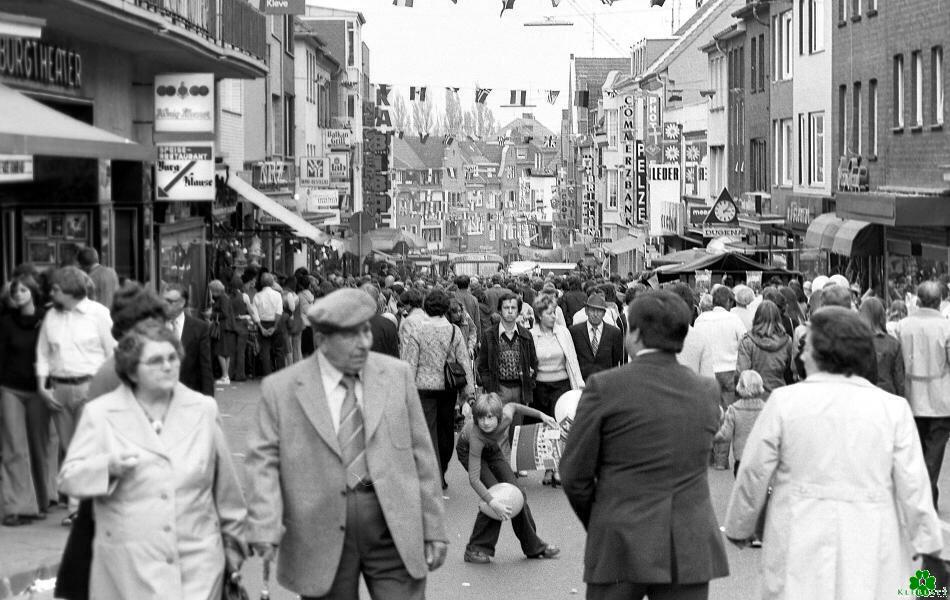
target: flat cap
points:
(342, 309)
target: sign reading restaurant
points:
(33, 60)
(184, 102)
(185, 171)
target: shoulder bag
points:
(455, 378)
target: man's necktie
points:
(350, 435)
(595, 340)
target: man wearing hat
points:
(599, 345)
(342, 475)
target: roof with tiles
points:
(404, 157)
(529, 126)
(431, 153)
(692, 28)
(591, 72)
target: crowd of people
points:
(106, 404)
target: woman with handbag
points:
(223, 329)
(436, 349)
(152, 456)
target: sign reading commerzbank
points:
(184, 171)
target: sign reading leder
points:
(185, 171)
(184, 102)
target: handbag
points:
(233, 590)
(455, 378)
(215, 331)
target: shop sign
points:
(271, 174)
(339, 166)
(653, 128)
(283, 7)
(184, 171)
(14, 167)
(664, 199)
(184, 102)
(641, 208)
(314, 171)
(628, 125)
(320, 200)
(722, 219)
(697, 214)
(798, 214)
(337, 139)
(33, 60)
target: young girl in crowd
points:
(741, 416)
(483, 451)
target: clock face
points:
(725, 211)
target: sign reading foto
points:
(184, 102)
(184, 171)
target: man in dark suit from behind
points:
(634, 466)
(195, 337)
(385, 333)
(599, 345)
(573, 299)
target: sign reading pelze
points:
(185, 171)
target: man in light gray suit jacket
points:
(342, 475)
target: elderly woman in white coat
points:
(850, 506)
(558, 368)
(152, 456)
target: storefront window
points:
(52, 239)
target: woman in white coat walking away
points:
(151, 454)
(851, 505)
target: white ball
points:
(510, 495)
(566, 406)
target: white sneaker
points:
(223, 381)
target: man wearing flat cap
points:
(343, 478)
(598, 344)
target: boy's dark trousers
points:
(485, 533)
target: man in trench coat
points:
(335, 510)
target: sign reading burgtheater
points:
(34, 60)
(184, 102)
(185, 171)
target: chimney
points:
(527, 116)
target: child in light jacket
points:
(741, 415)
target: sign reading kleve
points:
(184, 102)
(185, 171)
(283, 7)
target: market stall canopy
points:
(728, 262)
(384, 239)
(31, 127)
(297, 223)
(681, 257)
(821, 231)
(625, 244)
(858, 238)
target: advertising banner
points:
(340, 166)
(337, 139)
(320, 200)
(184, 102)
(14, 167)
(665, 199)
(653, 128)
(535, 447)
(629, 146)
(283, 7)
(185, 171)
(641, 207)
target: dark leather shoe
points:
(477, 557)
(550, 551)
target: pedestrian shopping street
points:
(510, 575)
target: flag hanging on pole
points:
(554, 3)
(417, 93)
(447, 139)
(423, 137)
(406, 3)
(481, 95)
(552, 96)
(519, 97)
(506, 5)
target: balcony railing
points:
(227, 23)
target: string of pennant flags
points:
(516, 97)
(505, 4)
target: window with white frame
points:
(917, 89)
(782, 39)
(898, 90)
(612, 130)
(350, 44)
(783, 144)
(816, 28)
(872, 5)
(856, 8)
(717, 169)
(717, 82)
(936, 84)
(802, 149)
(857, 118)
(816, 150)
(872, 117)
(612, 188)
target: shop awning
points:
(821, 232)
(31, 127)
(625, 244)
(857, 238)
(260, 200)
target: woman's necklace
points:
(156, 423)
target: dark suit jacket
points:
(385, 336)
(196, 372)
(487, 367)
(634, 471)
(571, 302)
(609, 350)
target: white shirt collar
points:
(503, 331)
(648, 351)
(331, 375)
(179, 324)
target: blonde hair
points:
(750, 384)
(487, 405)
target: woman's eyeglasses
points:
(159, 361)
